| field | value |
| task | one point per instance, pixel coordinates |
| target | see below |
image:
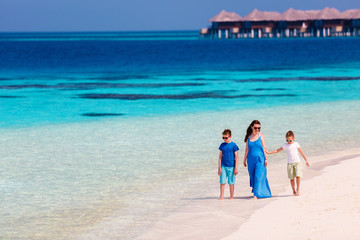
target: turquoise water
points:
(103, 133)
(79, 99)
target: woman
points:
(256, 160)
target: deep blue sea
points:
(67, 77)
(112, 130)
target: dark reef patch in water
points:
(329, 78)
(121, 77)
(102, 114)
(269, 89)
(111, 77)
(214, 94)
(12, 97)
(284, 79)
(87, 86)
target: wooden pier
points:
(328, 22)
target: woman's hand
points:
(245, 163)
(266, 162)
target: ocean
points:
(101, 134)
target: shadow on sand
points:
(235, 198)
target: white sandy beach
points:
(328, 208)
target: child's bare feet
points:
(231, 198)
(297, 194)
(221, 198)
(294, 193)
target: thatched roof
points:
(288, 15)
(225, 16)
(324, 14)
(293, 15)
(312, 14)
(257, 15)
(351, 14)
(328, 14)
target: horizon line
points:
(100, 31)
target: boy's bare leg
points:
(292, 183)
(297, 186)
(231, 191)
(222, 190)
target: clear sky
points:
(135, 15)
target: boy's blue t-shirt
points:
(228, 154)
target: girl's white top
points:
(292, 152)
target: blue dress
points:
(257, 169)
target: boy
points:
(228, 163)
(294, 165)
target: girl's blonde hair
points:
(290, 134)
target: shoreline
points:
(209, 218)
(99, 205)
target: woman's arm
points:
(246, 153)
(264, 147)
(263, 142)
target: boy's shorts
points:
(294, 170)
(227, 172)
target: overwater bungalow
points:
(328, 22)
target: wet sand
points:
(329, 192)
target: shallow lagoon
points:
(98, 143)
(68, 178)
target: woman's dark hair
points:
(249, 129)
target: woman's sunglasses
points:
(257, 128)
